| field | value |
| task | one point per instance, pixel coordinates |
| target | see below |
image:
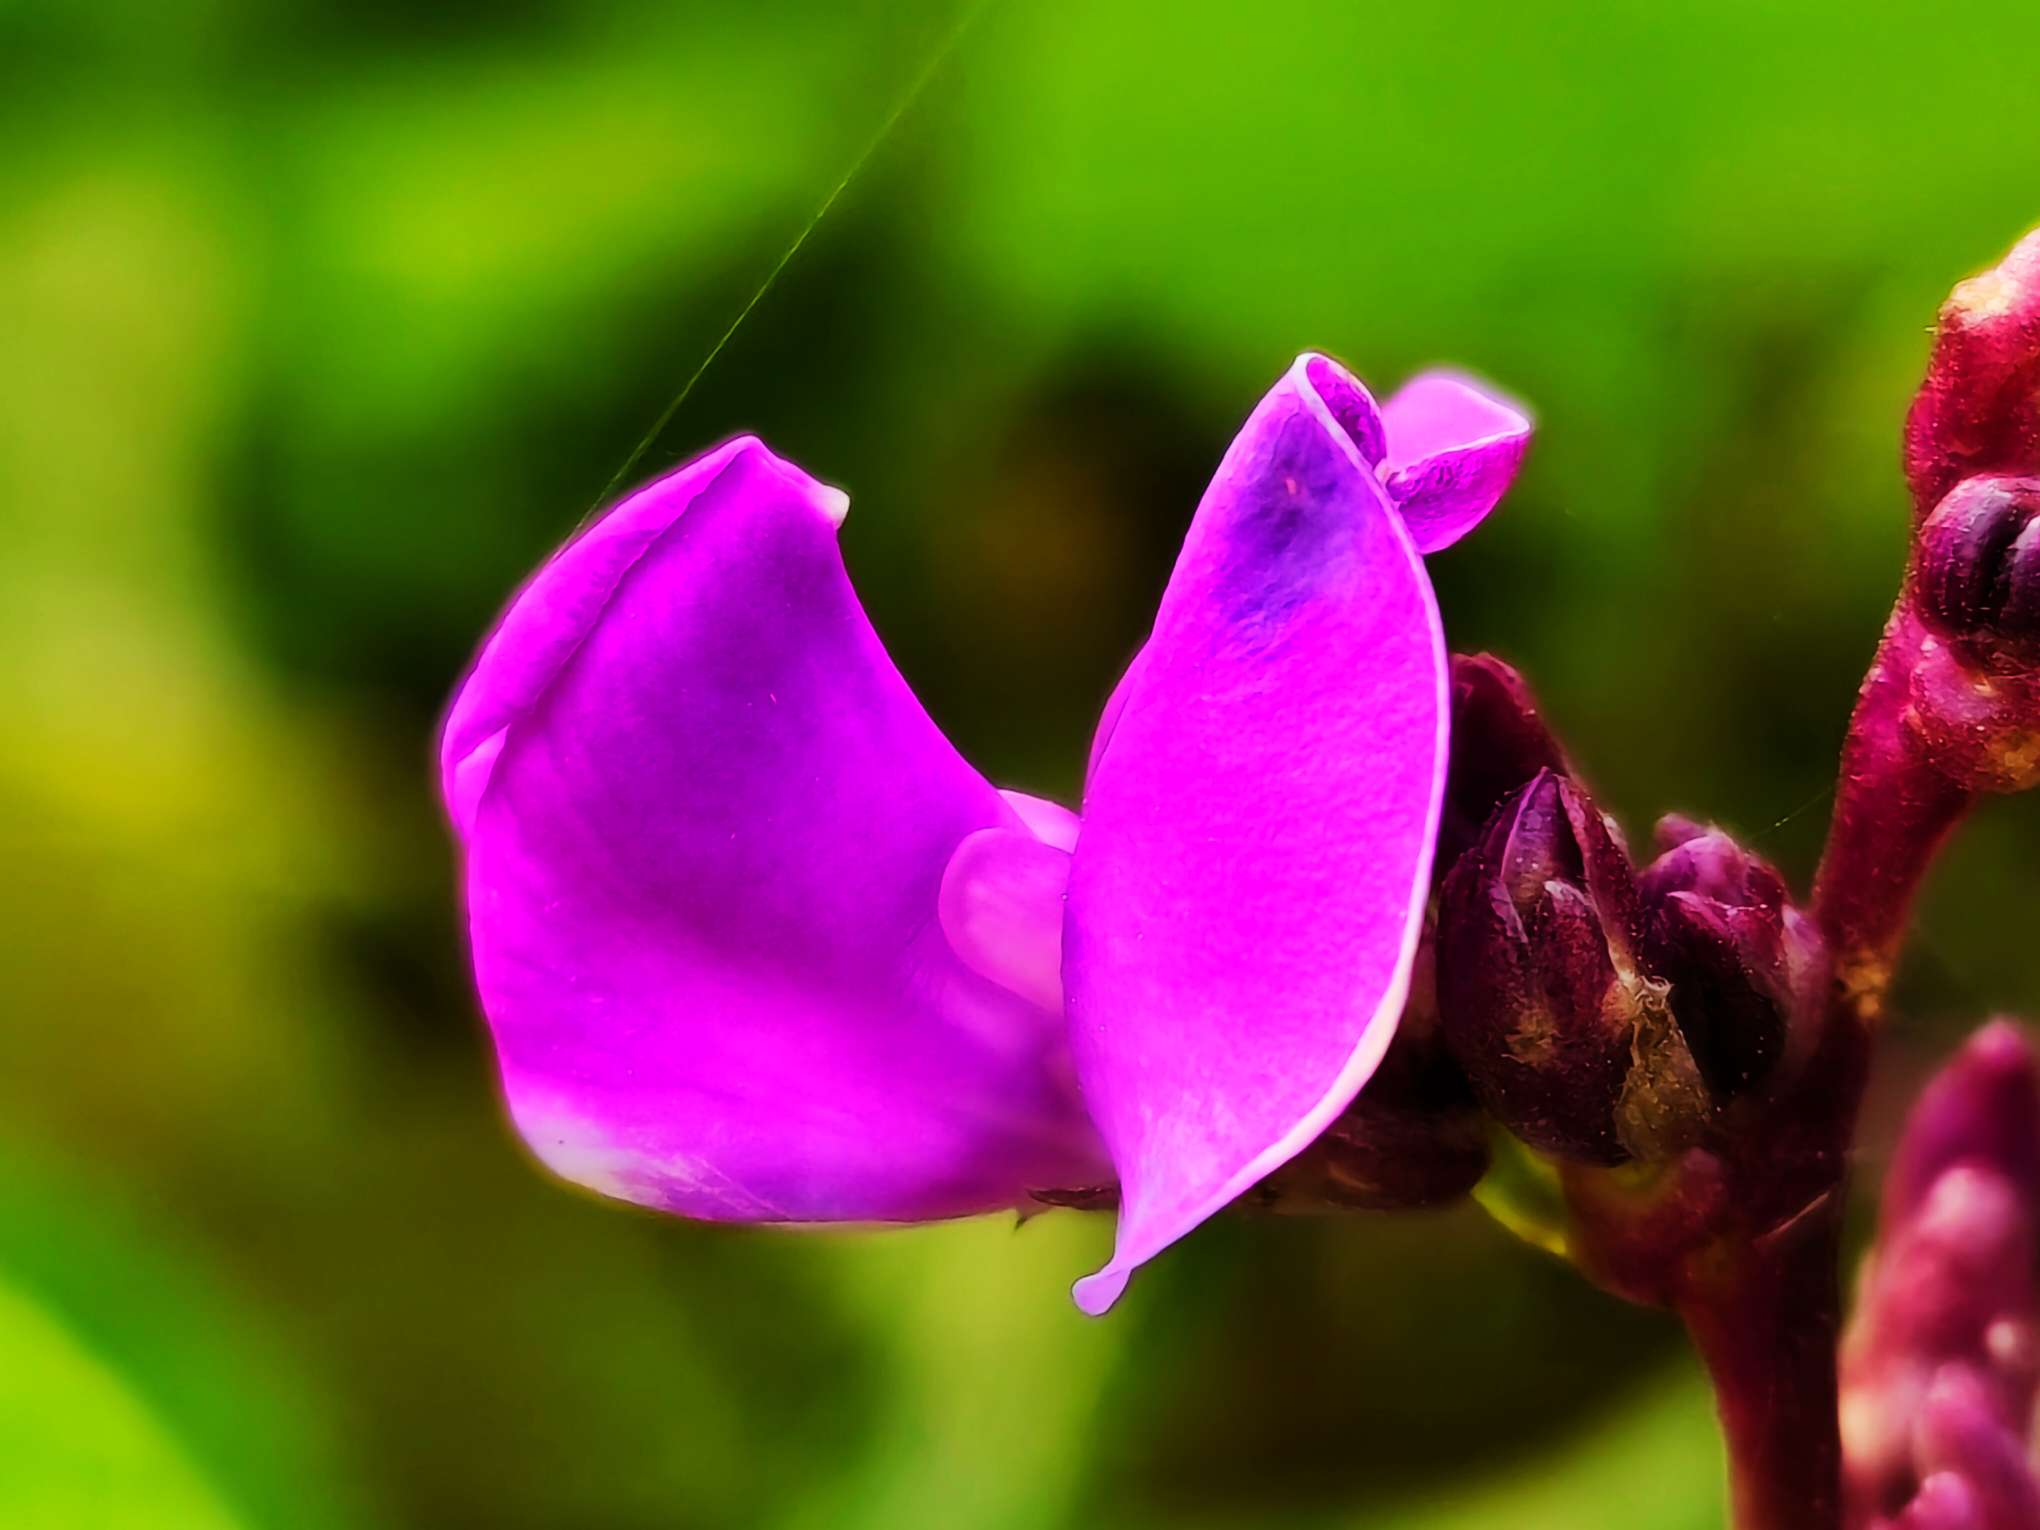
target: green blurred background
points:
(320, 323)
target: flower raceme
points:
(1941, 1367)
(756, 944)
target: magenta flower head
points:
(1941, 1368)
(757, 945)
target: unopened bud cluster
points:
(1602, 1015)
(1599, 1013)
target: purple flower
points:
(756, 944)
(1941, 1367)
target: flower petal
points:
(1049, 822)
(1002, 909)
(1446, 447)
(554, 612)
(706, 826)
(1246, 898)
(1453, 450)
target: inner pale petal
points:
(1050, 822)
(1001, 907)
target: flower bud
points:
(1940, 1370)
(1978, 724)
(1413, 1137)
(1567, 1041)
(1499, 741)
(1978, 411)
(1748, 971)
(1976, 568)
(1973, 691)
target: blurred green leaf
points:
(1651, 1462)
(181, 1372)
(324, 319)
(78, 1449)
(997, 1387)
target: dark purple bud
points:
(1941, 1367)
(1974, 690)
(1414, 1137)
(1976, 567)
(1566, 1039)
(1748, 970)
(1499, 741)
(1978, 410)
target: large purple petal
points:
(1445, 446)
(1453, 450)
(706, 827)
(1355, 412)
(1246, 897)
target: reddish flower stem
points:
(1761, 1301)
(1938, 719)
(1767, 1326)
(1893, 811)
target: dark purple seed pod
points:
(1748, 970)
(1976, 567)
(1566, 1039)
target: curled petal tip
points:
(1454, 446)
(830, 502)
(1346, 400)
(1095, 1294)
